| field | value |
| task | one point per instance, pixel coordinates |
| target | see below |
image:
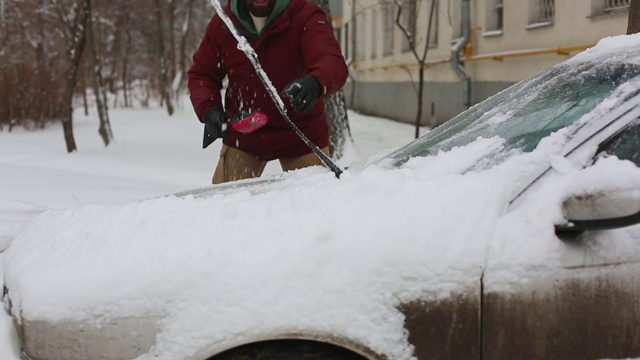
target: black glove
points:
(303, 93)
(214, 126)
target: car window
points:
(625, 145)
(525, 113)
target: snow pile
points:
(39, 176)
(335, 257)
(606, 46)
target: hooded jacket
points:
(297, 39)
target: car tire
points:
(288, 350)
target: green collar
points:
(239, 8)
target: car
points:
(508, 232)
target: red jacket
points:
(299, 41)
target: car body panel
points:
(580, 313)
(448, 328)
(101, 339)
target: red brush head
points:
(250, 123)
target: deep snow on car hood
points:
(324, 255)
(334, 256)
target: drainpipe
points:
(458, 47)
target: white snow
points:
(308, 253)
(153, 155)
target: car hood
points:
(303, 251)
(253, 186)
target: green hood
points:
(241, 11)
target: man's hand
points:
(213, 122)
(214, 126)
(303, 93)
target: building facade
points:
(469, 50)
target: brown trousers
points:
(235, 164)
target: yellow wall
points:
(573, 27)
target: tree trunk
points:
(336, 108)
(125, 66)
(182, 56)
(84, 93)
(77, 48)
(420, 92)
(634, 17)
(422, 68)
(125, 82)
(172, 40)
(96, 79)
(422, 59)
(42, 72)
(163, 59)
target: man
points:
(296, 48)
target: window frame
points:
(541, 13)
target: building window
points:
(494, 19)
(374, 33)
(346, 46)
(389, 25)
(433, 33)
(614, 5)
(408, 20)
(546, 10)
(541, 13)
(601, 7)
(362, 37)
(455, 20)
(495, 15)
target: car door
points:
(550, 312)
(447, 328)
(586, 308)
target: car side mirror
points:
(601, 210)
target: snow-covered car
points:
(506, 233)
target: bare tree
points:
(132, 52)
(163, 75)
(634, 17)
(182, 55)
(32, 69)
(336, 108)
(96, 78)
(171, 11)
(75, 49)
(409, 32)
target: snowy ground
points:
(153, 154)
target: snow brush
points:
(244, 123)
(248, 123)
(243, 45)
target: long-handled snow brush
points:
(243, 45)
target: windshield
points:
(525, 113)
